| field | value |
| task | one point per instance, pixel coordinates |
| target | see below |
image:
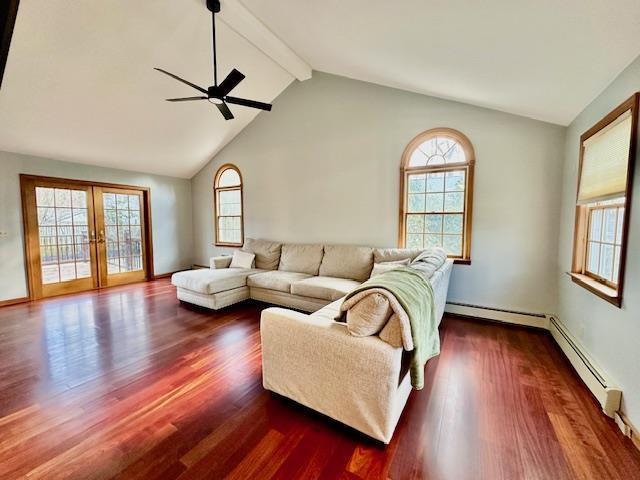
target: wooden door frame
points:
(26, 179)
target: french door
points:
(81, 236)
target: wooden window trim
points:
(216, 217)
(468, 166)
(608, 291)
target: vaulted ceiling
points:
(545, 59)
(80, 84)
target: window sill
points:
(231, 245)
(462, 261)
(603, 291)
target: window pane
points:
(122, 201)
(594, 257)
(134, 218)
(417, 183)
(134, 202)
(455, 181)
(620, 227)
(435, 182)
(78, 199)
(453, 244)
(44, 197)
(415, 223)
(46, 216)
(606, 261)
(596, 224)
(50, 273)
(432, 240)
(64, 216)
(80, 216)
(110, 217)
(63, 197)
(109, 200)
(113, 266)
(229, 178)
(416, 202)
(616, 265)
(433, 223)
(83, 269)
(434, 202)
(454, 202)
(453, 224)
(609, 230)
(67, 271)
(414, 240)
(418, 159)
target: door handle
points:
(101, 237)
(92, 239)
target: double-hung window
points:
(605, 177)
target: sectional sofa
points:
(362, 382)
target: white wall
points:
(324, 167)
(610, 335)
(170, 209)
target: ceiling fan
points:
(218, 94)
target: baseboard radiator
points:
(607, 393)
(602, 387)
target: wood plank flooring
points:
(128, 383)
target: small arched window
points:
(436, 186)
(229, 225)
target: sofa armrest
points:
(220, 262)
(318, 363)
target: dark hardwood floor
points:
(127, 383)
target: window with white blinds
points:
(606, 163)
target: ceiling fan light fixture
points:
(218, 93)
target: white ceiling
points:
(80, 84)
(545, 59)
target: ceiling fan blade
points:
(248, 103)
(229, 83)
(186, 82)
(224, 110)
(185, 99)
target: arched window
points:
(436, 185)
(229, 223)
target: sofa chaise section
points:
(213, 288)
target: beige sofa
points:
(360, 381)
(304, 277)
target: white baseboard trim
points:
(603, 388)
(499, 315)
(608, 394)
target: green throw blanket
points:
(415, 295)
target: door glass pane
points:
(64, 234)
(123, 232)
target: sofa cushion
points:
(301, 258)
(382, 255)
(276, 280)
(369, 315)
(267, 253)
(346, 261)
(326, 288)
(208, 281)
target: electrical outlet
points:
(4, 235)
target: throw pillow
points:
(369, 315)
(242, 259)
(379, 268)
